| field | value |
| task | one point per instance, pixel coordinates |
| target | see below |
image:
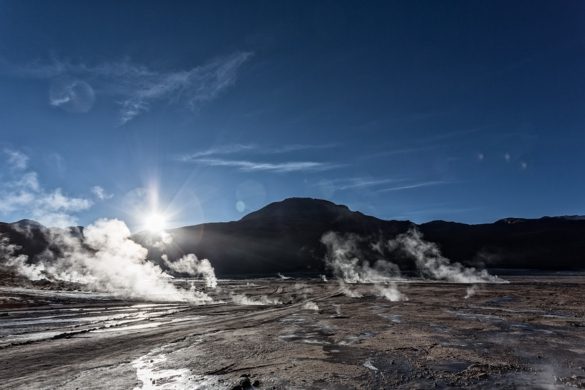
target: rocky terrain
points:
(300, 334)
(98, 312)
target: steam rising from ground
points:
(390, 292)
(190, 265)
(8, 252)
(241, 299)
(347, 262)
(310, 305)
(350, 266)
(106, 259)
(470, 291)
(433, 265)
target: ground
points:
(528, 333)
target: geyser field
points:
(378, 306)
(300, 334)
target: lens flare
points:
(155, 222)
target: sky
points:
(466, 111)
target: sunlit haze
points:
(155, 222)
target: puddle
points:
(476, 316)
(320, 336)
(300, 330)
(153, 371)
(356, 339)
(25, 338)
(395, 318)
(129, 327)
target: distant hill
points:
(281, 237)
(285, 237)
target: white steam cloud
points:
(346, 261)
(390, 292)
(105, 259)
(349, 267)
(241, 299)
(433, 265)
(8, 253)
(470, 291)
(310, 305)
(191, 265)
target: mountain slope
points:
(285, 237)
(281, 237)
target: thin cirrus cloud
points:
(228, 149)
(357, 183)
(216, 157)
(135, 88)
(414, 185)
(255, 166)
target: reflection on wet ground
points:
(526, 334)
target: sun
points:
(155, 222)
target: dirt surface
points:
(529, 334)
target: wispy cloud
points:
(100, 193)
(454, 134)
(401, 151)
(195, 86)
(16, 159)
(357, 183)
(434, 211)
(218, 150)
(253, 166)
(136, 87)
(297, 147)
(229, 149)
(21, 194)
(414, 185)
(425, 144)
(216, 157)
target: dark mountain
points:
(285, 237)
(281, 237)
(546, 243)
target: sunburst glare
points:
(155, 222)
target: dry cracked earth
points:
(529, 333)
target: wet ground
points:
(529, 334)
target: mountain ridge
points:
(285, 236)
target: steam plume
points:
(104, 259)
(390, 292)
(189, 264)
(346, 261)
(241, 299)
(433, 265)
(310, 305)
(349, 267)
(470, 291)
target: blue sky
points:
(462, 110)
